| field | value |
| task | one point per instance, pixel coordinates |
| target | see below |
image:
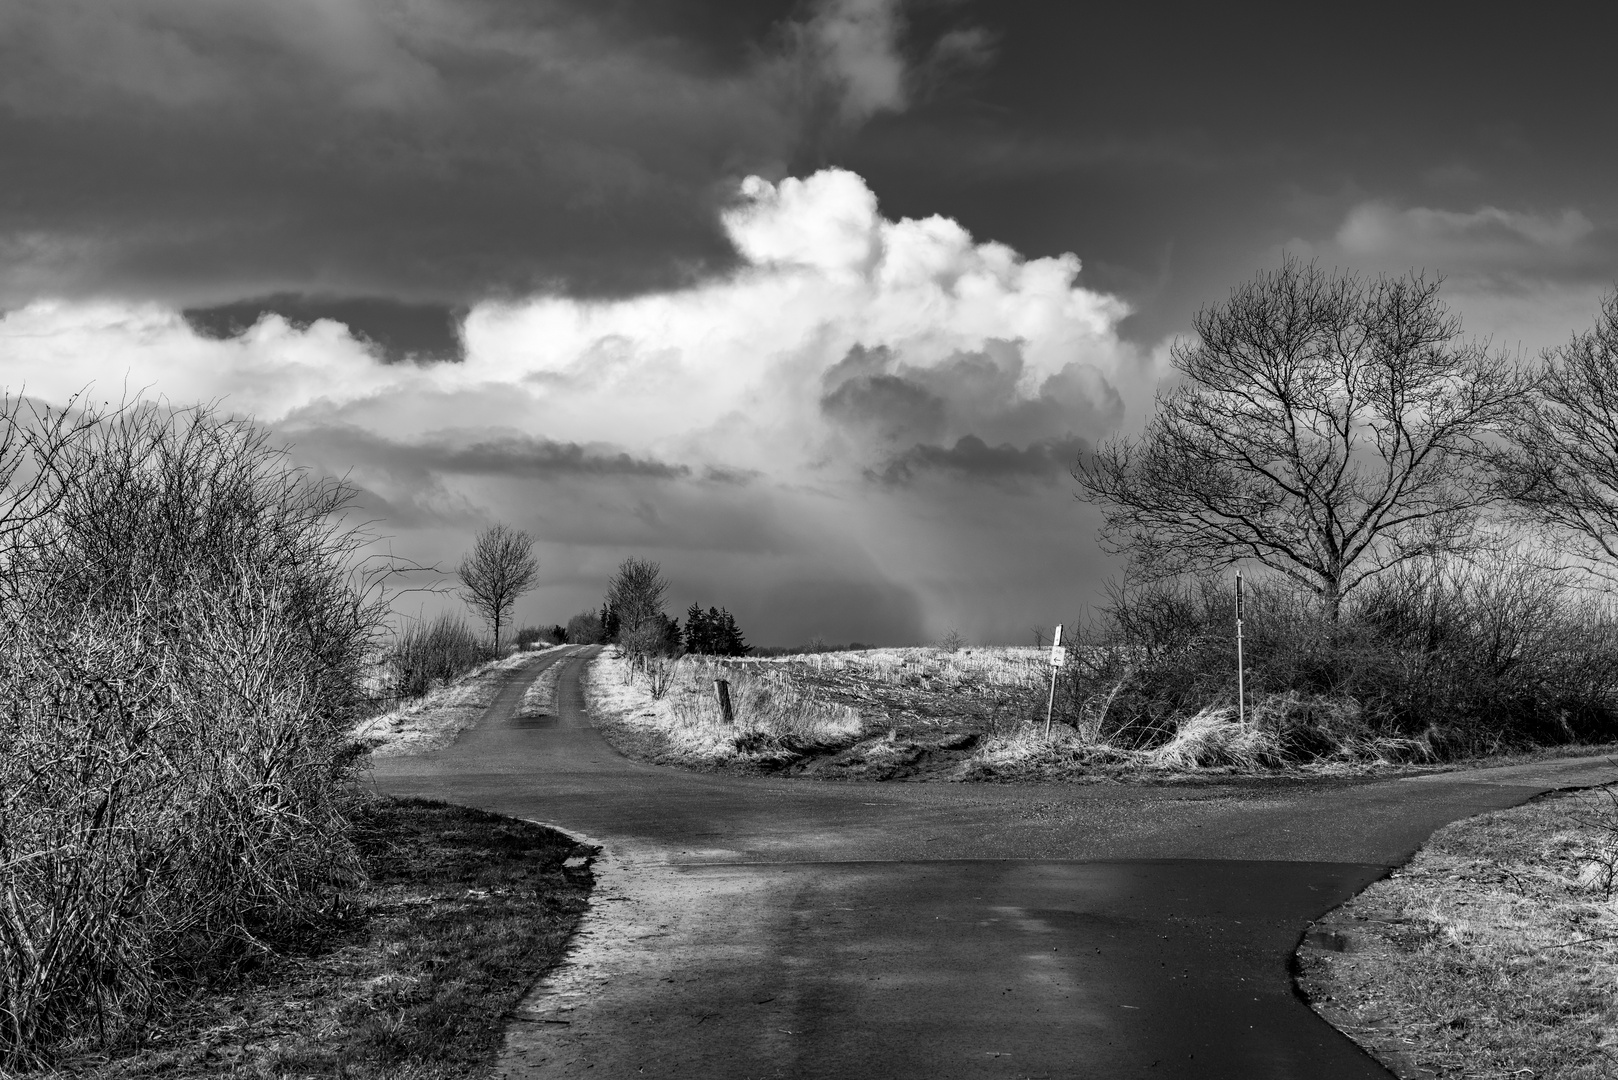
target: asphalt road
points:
(755, 928)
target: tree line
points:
(632, 616)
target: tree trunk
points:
(1331, 598)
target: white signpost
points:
(1058, 655)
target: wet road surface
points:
(777, 928)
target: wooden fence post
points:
(721, 690)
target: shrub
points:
(585, 629)
(1440, 658)
(182, 640)
(434, 653)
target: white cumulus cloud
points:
(633, 409)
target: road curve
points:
(780, 928)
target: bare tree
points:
(1327, 426)
(1561, 468)
(635, 601)
(499, 568)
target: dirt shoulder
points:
(1493, 953)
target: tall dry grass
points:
(182, 641)
(775, 718)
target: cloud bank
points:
(441, 150)
(798, 423)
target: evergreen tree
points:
(713, 633)
(696, 630)
(729, 635)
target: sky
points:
(815, 303)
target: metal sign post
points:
(1241, 696)
(1058, 654)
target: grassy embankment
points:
(462, 912)
(967, 714)
(1493, 953)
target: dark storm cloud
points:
(1178, 150)
(973, 459)
(397, 331)
(909, 413)
(439, 151)
(516, 456)
(839, 611)
(886, 406)
(720, 474)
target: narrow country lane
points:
(779, 928)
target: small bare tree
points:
(635, 602)
(1327, 426)
(499, 568)
(1562, 467)
(635, 595)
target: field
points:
(878, 714)
(939, 714)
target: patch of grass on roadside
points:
(1493, 953)
(433, 721)
(669, 713)
(463, 913)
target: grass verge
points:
(433, 720)
(978, 714)
(463, 913)
(1493, 953)
(670, 714)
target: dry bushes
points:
(182, 640)
(1434, 661)
(434, 653)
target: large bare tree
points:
(499, 568)
(1561, 468)
(1326, 425)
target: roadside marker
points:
(1058, 654)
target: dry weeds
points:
(967, 714)
(775, 719)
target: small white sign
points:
(1058, 655)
